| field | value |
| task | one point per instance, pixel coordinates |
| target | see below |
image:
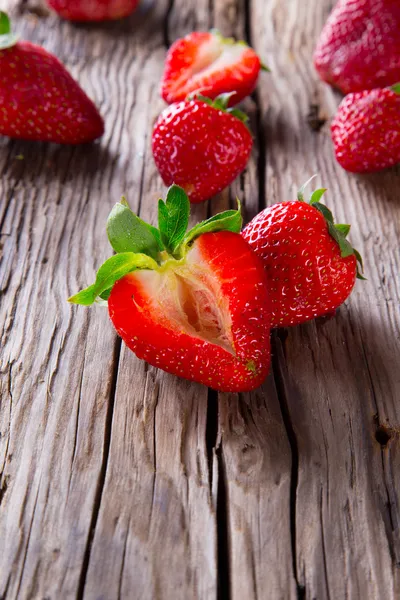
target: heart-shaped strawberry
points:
(191, 303)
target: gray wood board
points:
(119, 481)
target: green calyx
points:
(221, 103)
(396, 88)
(139, 245)
(7, 38)
(339, 231)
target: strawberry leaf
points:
(339, 231)
(127, 233)
(396, 88)
(265, 68)
(325, 211)
(300, 193)
(7, 38)
(343, 228)
(173, 217)
(346, 249)
(317, 195)
(111, 271)
(229, 220)
(221, 103)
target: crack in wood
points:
(278, 360)
(389, 526)
(211, 431)
(223, 555)
(102, 474)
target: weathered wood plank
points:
(336, 379)
(156, 532)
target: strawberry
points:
(93, 10)
(359, 47)
(194, 303)
(210, 64)
(39, 100)
(201, 145)
(311, 267)
(366, 130)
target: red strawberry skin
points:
(40, 100)
(152, 325)
(359, 47)
(93, 10)
(307, 276)
(366, 131)
(200, 148)
(206, 63)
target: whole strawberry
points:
(192, 303)
(210, 64)
(201, 145)
(366, 130)
(93, 10)
(39, 99)
(359, 47)
(311, 267)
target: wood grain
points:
(337, 380)
(119, 481)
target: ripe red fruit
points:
(201, 147)
(39, 99)
(359, 47)
(194, 304)
(366, 130)
(207, 63)
(93, 10)
(311, 267)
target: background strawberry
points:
(201, 145)
(210, 64)
(192, 303)
(366, 130)
(359, 47)
(93, 10)
(311, 267)
(39, 99)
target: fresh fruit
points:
(366, 130)
(192, 303)
(359, 47)
(207, 63)
(201, 145)
(39, 100)
(93, 10)
(311, 267)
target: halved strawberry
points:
(210, 64)
(194, 304)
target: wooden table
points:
(119, 481)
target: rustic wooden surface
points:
(119, 481)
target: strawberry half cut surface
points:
(193, 303)
(310, 265)
(39, 100)
(210, 64)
